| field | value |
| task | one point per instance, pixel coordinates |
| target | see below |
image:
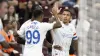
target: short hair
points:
(67, 11)
(37, 11)
(1, 1)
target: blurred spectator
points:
(28, 11)
(21, 13)
(70, 3)
(1, 26)
(13, 2)
(8, 37)
(20, 9)
(46, 10)
(12, 16)
(1, 54)
(3, 11)
(47, 6)
(22, 0)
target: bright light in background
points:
(88, 29)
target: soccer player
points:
(62, 37)
(34, 31)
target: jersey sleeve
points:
(21, 31)
(2, 38)
(75, 37)
(74, 34)
(49, 26)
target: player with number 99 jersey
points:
(34, 33)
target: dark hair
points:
(2, 1)
(8, 14)
(37, 11)
(67, 11)
(28, 12)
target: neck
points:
(32, 19)
(38, 19)
(66, 22)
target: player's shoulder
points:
(71, 25)
(26, 22)
(45, 23)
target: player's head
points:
(67, 16)
(37, 13)
(3, 8)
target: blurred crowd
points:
(20, 11)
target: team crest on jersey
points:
(67, 35)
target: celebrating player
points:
(62, 37)
(34, 31)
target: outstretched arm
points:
(55, 11)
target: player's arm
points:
(47, 44)
(51, 20)
(20, 40)
(55, 14)
(3, 42)
(75, 43)
(20, 35)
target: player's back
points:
(35, 32)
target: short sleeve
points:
(75, 37)
(74, 34)
(21, 31)
(2, 38)
(48, 26)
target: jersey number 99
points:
(31, 37)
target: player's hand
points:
(58, 47)
(55, 8)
